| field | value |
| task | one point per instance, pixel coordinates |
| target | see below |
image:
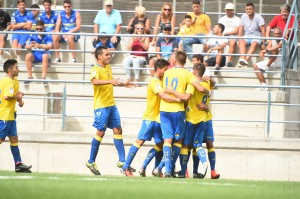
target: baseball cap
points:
(108, 2)
(167, 27)
(229, 6)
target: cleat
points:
(168, 175)
(22, 168)
(214, 175)
(178, 175)
(127, 172)
(57, 60)
(203, 170)
(157, 173)
(198, 175)
(93, 168)
(121, 164)
(142, 172)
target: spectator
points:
(35, 12)
(69, 21)
(202, 27)
(43, 43)
(104, 42)
(5, 25)
(21, 22)
(198, 59)
(254, 26)
(231, 23)
(274, 48)
(281, 20)
(108, 20)
(139, 45)
(165, 18)
(140, 16)
(167, 45)
(215, 46)
(49, 17)
(186, 29)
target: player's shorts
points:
(150, 129)
(107, 117)
(194, 134)
(157, 133)
(76, 38)
(172, 124)
(22, 38)
(249, 41)
(8, 128)
(209, 132)
(38, 57)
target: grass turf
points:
(56, 186)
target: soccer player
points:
(172, 115)
(9, 95)
(150, 128)
(105, 110)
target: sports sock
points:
(161, 164)
(131, 154)
(158, 158)
(94, 148)
(183, 160)
(15, 152)
(118, 141)
(201, 154)
(195, 162)
(153, 151)
(212, 158)
(175, 153)
(167, 149)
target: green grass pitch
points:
(71, 186)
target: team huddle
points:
(177, 116)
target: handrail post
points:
(84, 64)
(64, 108)
(204, 6)
(269, 114)
(283, 66)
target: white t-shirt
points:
(229, 23)
(213, 42)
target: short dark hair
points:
(9, 64)
(67, 2)
(99, 51)
(21, 1)
(199, 57)
(48, 1)
(187, 17)
(250, 4)
(221, 26)
(40, 23)
(180, 57)
(161, 63)
(200, 68)
(196, 2)
(35, 6)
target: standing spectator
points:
(202, 27)
(35, 12)
(108, 20)
(140, 16)
(69, 21)
(165, 18)
(5, 25)
(215, 46)
(43, 43)
(186, 29)
(139, 45)
(254, 26)
(231, 23)
(49, 17)
(21, 22)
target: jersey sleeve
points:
(190, 89)
(94, 73)
(191, 77)
(9, 90)
(156, 87)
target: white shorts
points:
(276, 64)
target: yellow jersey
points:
(200, 23)
(8, 87)
(153, 100)
(103, 94)
(178, 78)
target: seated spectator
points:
(39, 45)
(35, 12)
(167, 45)
(273, 48)
(202, 27)
(165, 18)
(5, 25)
(21, 22)
(231, 23)
(140, 16)
(186, 29)
(108, 20)
(139, 45)
(254, 26)
(215, 46)
(105, 42)
(49, 17)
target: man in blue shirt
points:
(49, 16)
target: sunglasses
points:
(67, 6)
(140, 28)
(166, 9)
(39, 29)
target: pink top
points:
(277, 21)
(137, 46)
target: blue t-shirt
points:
(107, 45)
(108, 24)
(167, 46)
(49, 22)
(46, 39)
(17, 17)
(68, 23)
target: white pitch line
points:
(15, 177)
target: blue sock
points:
(167, 149)
(118, 141)
(94, 148)
(175, 153)
(162, 163)
(195, 162)
(201, 154)
(183, 160)
(212, 158)
(131, 154)
(15, 152)
(153, 151)
(158, 158)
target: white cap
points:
(108, 2)
(229, 6)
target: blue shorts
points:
(107, 117)
(22, 38)
(194, 134)
(249, 41)
(38, 57)
(8, 128)
(172, 124)
(209, 132)
(150, 129)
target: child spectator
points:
(186, 29)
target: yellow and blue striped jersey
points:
(153, 100)
(9, 88)
(178, 78)
(103, 94)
